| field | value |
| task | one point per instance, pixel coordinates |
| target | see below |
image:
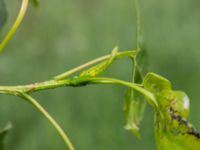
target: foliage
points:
(171, 108)
(172, 130)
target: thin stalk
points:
(150, 97)
(134, 65)
(92, 62)
(138, 42)
(16, 25)
(138, 24)
(59, 130)
(134, 68)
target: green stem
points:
(51, 84)
(92, 62)
(60, 131)
(15, 26)
(138, 40)
(75, 82)
(138, 25)
(150, 97)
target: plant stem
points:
(15, 26)
(60, 131)
(138, 87)
(30, 88)
(75, 82)
(138, 25)
(92, 62)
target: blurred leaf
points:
(3, 13)
(134, 110)
(35, 3)
(3, 133)
(134, 102)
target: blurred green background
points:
(62, 34)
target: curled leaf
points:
(134, 104)
(156, 83)
(134, 110)
(99, 68)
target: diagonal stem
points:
(60, 131)
(92, 62)
(16, 25)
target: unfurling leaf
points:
(3, 14)
(134, 104)
(155, 83)
(134, 109)
(99, 68)
(3, 133)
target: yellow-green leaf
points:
(99, 68)
(172, 130)
(156, 83)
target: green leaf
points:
(168, 141)
(178, 101)
(156, 83)
(135, 103)
(3, 13)
(134, 110)
(99, 68)
(172, 130)
(180, 136)
(3, 134)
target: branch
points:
(60, 81)
(76, 82)
(131, 53)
